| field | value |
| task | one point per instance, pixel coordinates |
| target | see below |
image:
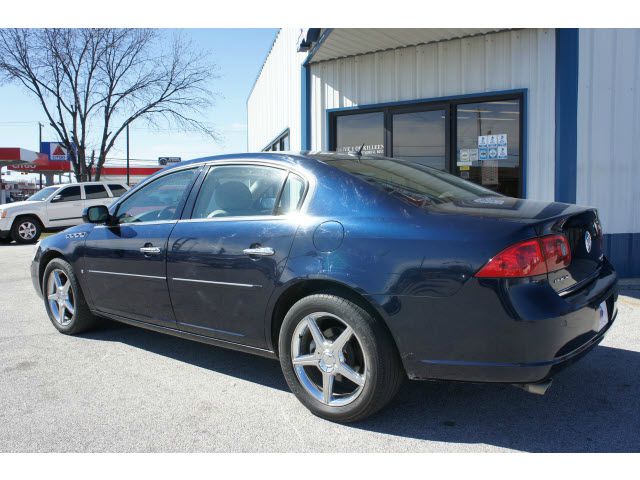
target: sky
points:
(238, 53)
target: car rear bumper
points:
(491, 331)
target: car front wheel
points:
(26, 230)
(64, 300)
(337, 359)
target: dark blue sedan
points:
(355, 271)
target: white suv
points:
(53, 208)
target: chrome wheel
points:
(27, 230)
(328, 359)
(60, 297)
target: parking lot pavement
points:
(125, 389)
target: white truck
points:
(54, 208)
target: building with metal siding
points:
(568, 98)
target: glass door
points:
(488, 145)
(421, 136)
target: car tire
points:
(67, 310)
(26, 230)
(351, 338)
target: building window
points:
(361, 131)
(279, 144)
(488, 145)
(476, 138)
(421, 137)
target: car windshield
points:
(43, 194)
(411, 182)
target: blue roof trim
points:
(323, 37)
(305, 107)
(305, 89)
(566, 161)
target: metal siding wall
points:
(274, 103)
(609, 127)
(493, 62)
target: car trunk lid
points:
(580, 225)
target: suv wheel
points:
(26, 230)
(337, 359)
(63, 298)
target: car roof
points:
(290, 157)
(87, 183)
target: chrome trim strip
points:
(133, 224)
(248, 218)
(231, 284)
(127, 274)
(200, 327)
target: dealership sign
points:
(168, 160)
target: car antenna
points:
(359, 153)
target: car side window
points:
(159, 200)
(69, 194)
(117, 190)
(239, 191)
(291, 195)
(95, 191)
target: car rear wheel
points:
(26, 230)
(337, 359)
(64, 300)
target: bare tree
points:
(93, 83)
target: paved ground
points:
(126, 389)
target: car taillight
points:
(556, 251)
(529, 258)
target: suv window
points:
(95, 191)
(159, 200)
(69, 194)
(239, 191)
(117, 190)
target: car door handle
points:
(150, 250)
(259, 251)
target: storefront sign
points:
(492, 147)
(366, 149)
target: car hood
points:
(19, 205)
(507, 208)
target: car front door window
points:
(157, 201)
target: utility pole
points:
(40, 125)
(128, 184)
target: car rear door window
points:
(95, 191)
(239, 191)
(291, 195)
(69, 194)
(117, 190)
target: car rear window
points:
(411, 182)
(95, 191)
(117, 190)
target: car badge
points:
(587, 241)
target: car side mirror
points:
(57, 198)
(96, 214)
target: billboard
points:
(57, 151)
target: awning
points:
(344, 42)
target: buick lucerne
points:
(354, 271)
